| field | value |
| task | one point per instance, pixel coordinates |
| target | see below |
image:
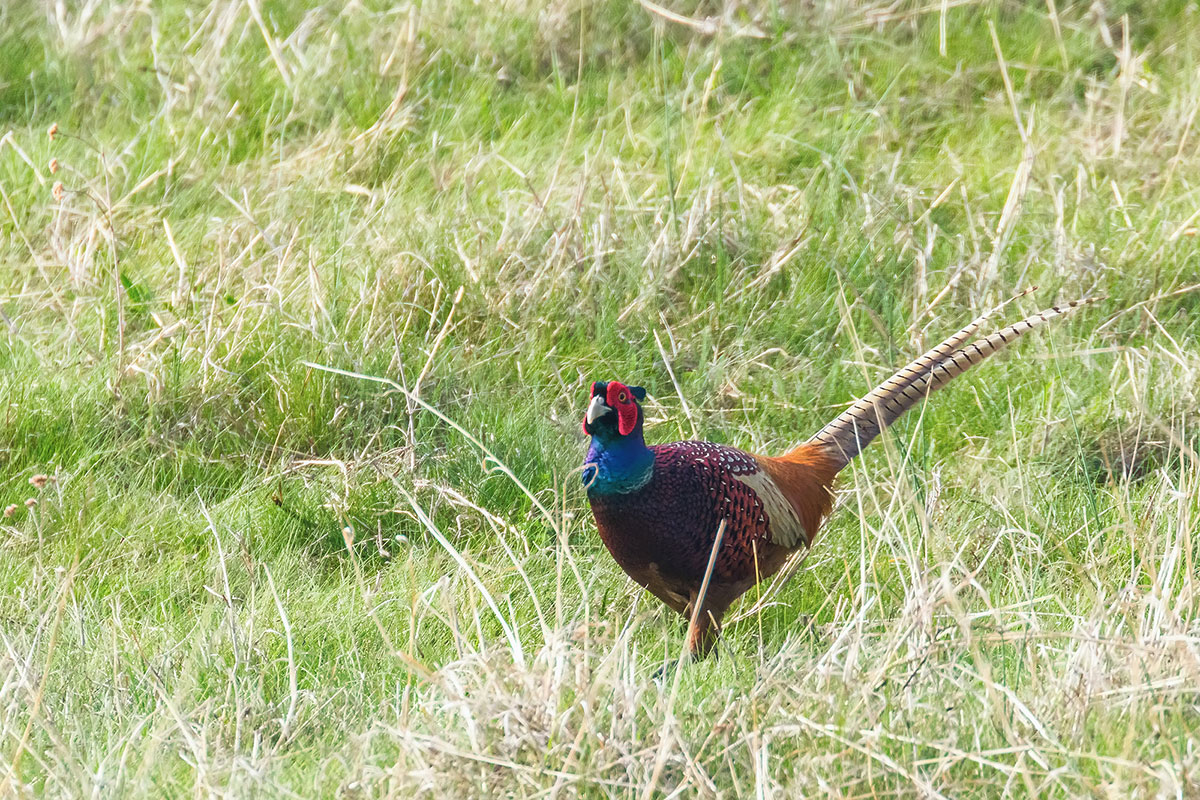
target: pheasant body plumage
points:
(658, 508)
(694, 486)
(662, 534)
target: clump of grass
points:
(233, 565)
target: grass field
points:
(228, 570)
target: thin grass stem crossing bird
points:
(658, 507)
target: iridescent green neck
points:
(618, 464)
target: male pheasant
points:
(658, 508)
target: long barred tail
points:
(852, 430)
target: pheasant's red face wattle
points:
(620, 398)
(616, 403)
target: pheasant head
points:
(618, 459)
(614, 410)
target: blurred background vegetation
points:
(229, 571)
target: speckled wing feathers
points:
(784, 527)
(762, 512)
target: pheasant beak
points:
(597, 409)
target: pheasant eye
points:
(622, 398)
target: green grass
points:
(248, 576)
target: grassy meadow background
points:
(229, 571)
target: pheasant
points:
(660, 509)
